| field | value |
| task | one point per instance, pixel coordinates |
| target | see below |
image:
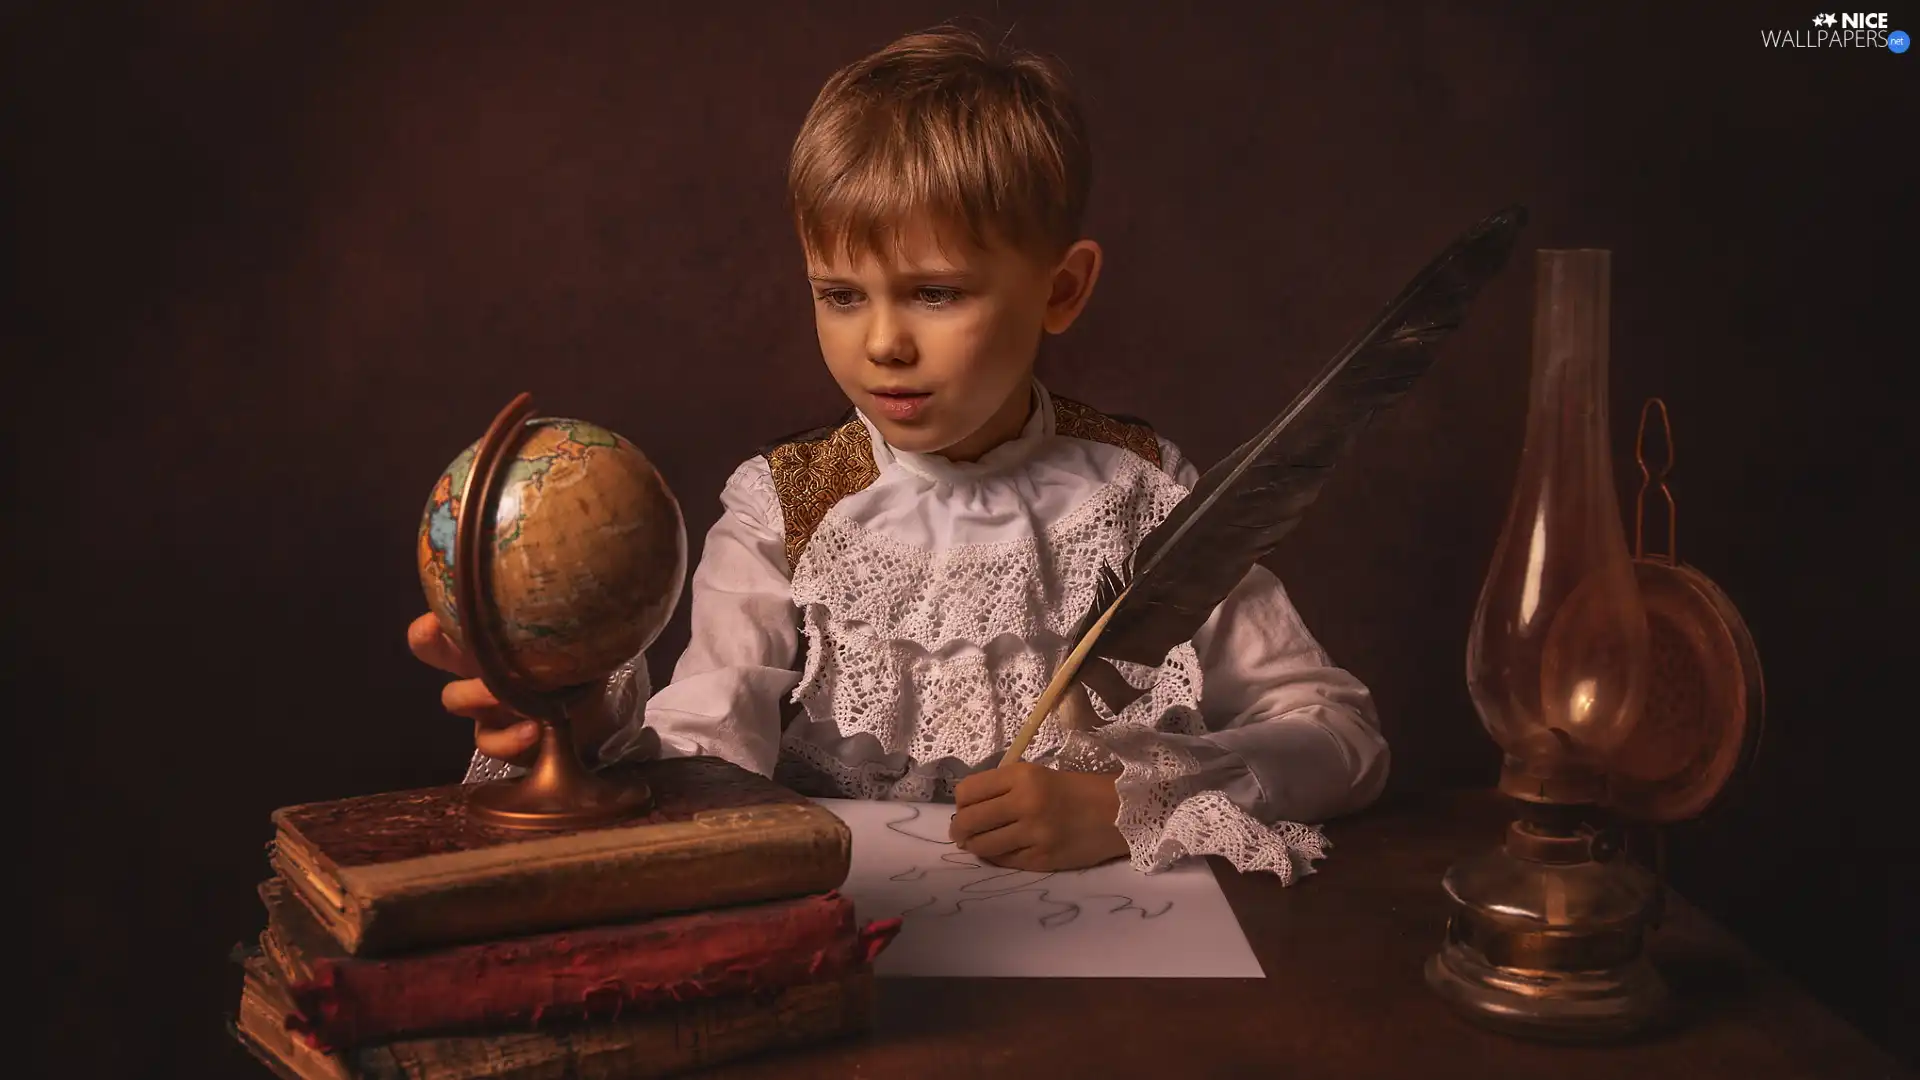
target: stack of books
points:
(405, 939)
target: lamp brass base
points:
(1547, 939)
(1612, 1005)
(558, 792)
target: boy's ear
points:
(1072, 285)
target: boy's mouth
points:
(899, 404)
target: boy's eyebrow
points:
(910, 274)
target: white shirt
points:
(929, 610)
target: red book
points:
(342, 1001)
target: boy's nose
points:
(888, 342)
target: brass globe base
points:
(1611, 1005)
(557, 793)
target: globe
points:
(586, 554)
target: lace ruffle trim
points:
(977, 593)
(969, 636)
(1166, 812)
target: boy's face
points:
(936, 343)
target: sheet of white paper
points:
(961, 916)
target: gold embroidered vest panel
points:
(815, 469)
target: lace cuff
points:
(482, 768)
(627, 692)
(1173, 804)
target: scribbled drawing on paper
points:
(899, 825)
(948, 894)
(964, 916)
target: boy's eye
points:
(936, 295)
(838, 298)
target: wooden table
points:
(1343, 996)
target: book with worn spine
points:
(338, 1001)
(402, 871)
(662, 1042)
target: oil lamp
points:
(1622, 690)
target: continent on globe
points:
(586, 549)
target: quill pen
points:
(1241, 508)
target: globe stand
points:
(558, 792)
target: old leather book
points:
(405, 870)
(663, 1042)
(340, 1001)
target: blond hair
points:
(944, 127)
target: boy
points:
(908, 578)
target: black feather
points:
(1242, 507)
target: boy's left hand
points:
(1029, 817)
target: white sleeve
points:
(1304, 731)
(739, 664)
(1176, 465)
(1304, 734)
(1290, 739)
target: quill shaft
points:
(1056, 689)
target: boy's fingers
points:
(982, 786)
(982, 816)
(995, 842)
(422, 633)
(471, 698)
(432, 646)
(498, 731)
(1019, 859)
(506, 743)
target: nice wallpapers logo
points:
(1847, 30)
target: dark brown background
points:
(274, 264)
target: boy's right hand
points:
(498, 731)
